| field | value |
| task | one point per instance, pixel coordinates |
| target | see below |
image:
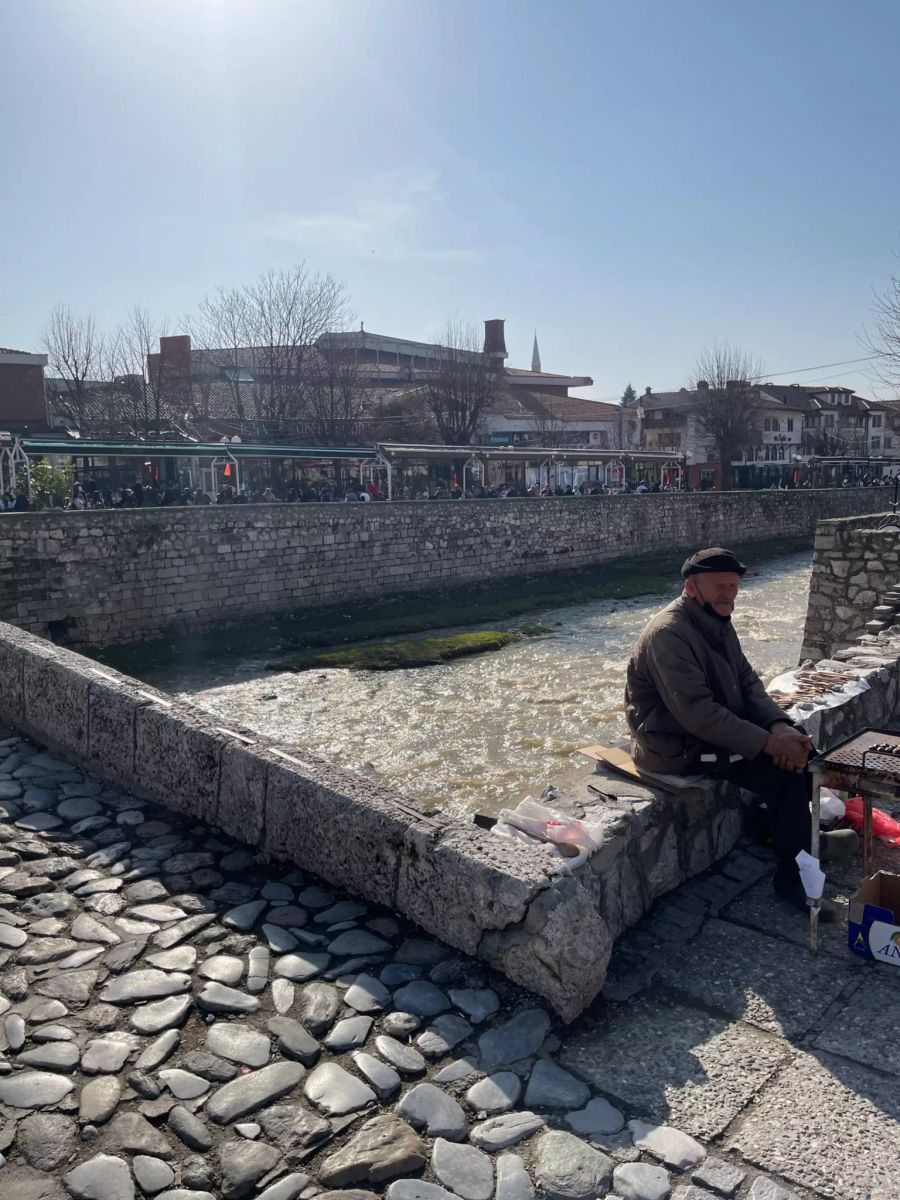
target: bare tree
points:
(260, 338)
(335, 396)
(463, 386)
(727, 401)
(547, 426)
(221, 330)
(883, 341)
(152, 395)
(74, 351)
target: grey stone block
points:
(12, 667)
(177, 756)
(241, 809)
(502, 878)
(56, 685)
(345, 828)
(112, 707)
(756, 978)
(560, 950)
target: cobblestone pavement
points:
(180, 1021)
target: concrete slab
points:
(828, 1125)
(755, 978)
(760, 908)
(674, 1063)
(865, 1029)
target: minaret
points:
(535, 355)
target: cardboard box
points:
(874, 921)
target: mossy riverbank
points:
(399, 655)
(369, 619)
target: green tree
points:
(629, 395)
(51, 486)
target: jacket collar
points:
(711, 629)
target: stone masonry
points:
(181, 1020)
(94, 578)
(855, 564)
(506, 903)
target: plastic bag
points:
(571, 839)
(784, 683)
(883, 824)
(546, 824)
(832, 807)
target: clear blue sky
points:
(635, 179)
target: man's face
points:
(718, 589)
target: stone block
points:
(727, 826)
(176, 757)
(698, 851)
(695, 805)
(828, 1125)
(56, 684)
(112, 706)
(660, 861)
(241, 810)
(343, 827)
(501, 879)
(625, 898)
(757, 979)
(560, 950)
(12, 666)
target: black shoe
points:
(792, 893)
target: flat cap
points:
(715, 558)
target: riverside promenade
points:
(182, 1019)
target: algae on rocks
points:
(399, 655)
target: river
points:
(481, 733)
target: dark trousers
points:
(786, 796)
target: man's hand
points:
(788, 747)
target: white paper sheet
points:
(811, 875)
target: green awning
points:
(108, 448)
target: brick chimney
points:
(702, 385)
(495, 342)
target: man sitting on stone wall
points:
(694, 705)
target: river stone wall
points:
(854, 566)
(94, 578)
(500, 900)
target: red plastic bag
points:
(883, 826)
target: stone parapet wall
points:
(653, 842)
(500, 900)
(854, 566)
(94, 578)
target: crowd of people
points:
(89, 494)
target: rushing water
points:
(481, 733)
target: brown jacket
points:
(690, 691)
